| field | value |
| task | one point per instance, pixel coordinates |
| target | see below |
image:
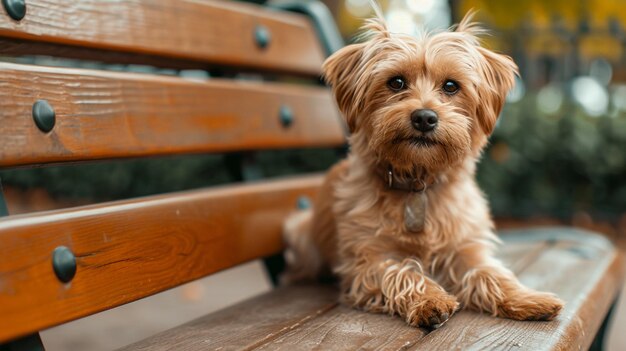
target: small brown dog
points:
(401, 221)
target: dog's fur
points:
(356, 229)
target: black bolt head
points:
(262, 36)
(15, 8)
(286, 116)
(304, 203)
(64, 264)
(44, 115)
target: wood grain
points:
(220, 32)
(332, 327)
(248, 324)
(584, 269)
(131, 249)
(110, 114)
(344, 328)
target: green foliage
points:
(555, 165)
(111, 180)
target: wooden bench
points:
(61, 265)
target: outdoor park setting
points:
(163, 144)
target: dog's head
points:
(423, 103)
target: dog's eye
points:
(396, 83)
(450, 87)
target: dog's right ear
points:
(498, 73)
(340, 71)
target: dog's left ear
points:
(340, 72)
(497, 72)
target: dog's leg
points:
(482, 283)
(396, 287)
(303, 259)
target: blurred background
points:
(557, 155)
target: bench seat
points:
(253, 87)
(583, 268)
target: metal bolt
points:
(64, 264)
(44, 115)
(262, 36)
(286, 116)
(15, 8)
(303, 203)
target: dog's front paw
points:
(431, 310)
(531, 306)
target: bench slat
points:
(219, 32)
(111, 114)
(344, 328)
(264, 317)
(131, 249)
(569, 262)
(584, 269)
(332, 328)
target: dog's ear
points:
(498, 78)
(497, 72)
(339, 72)
(345, 70)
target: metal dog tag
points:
(415, 212)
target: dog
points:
(401, 222)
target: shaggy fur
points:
(356, 229)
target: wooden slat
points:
(519, 255)
(111, 114)
(249, 324)
(131, 249)
(220, 32)
(332, 327)
(345, 328)
(584, 269)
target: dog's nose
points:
(424, 120)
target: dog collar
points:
(416, 201)
(410, 185)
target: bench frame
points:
(241, 164)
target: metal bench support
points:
(599, 342)
(322, 19)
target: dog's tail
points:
(304, 261)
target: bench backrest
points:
(127, 250)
